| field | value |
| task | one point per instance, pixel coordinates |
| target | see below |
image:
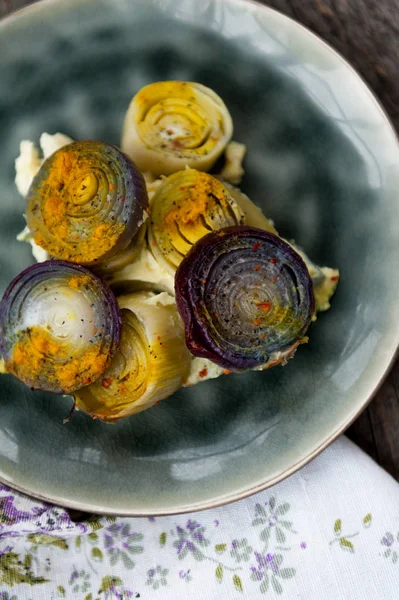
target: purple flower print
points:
(10, 515)
(391, 547)
(157, 577)
(37, 518)
(119, 542)
(240, 550)
(267, 570)
(112, 588)
(185, 575)
(79, 580)
(272, 516)
(189, 539)
(388, 540)
(119, 593)
(265, 563)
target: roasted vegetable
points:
(59, 327)
(245, 296)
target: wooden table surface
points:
(366, 33)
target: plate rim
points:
(39, 5)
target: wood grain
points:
(366, 33)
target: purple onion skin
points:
(243, 294)
(129, 203)
(17, 297)
(138, 197)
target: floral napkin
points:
(329, 532)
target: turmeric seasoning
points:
(38, 353)
(65, 208)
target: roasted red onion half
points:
(246, 298)
(86, 203)
(59, 327)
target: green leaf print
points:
(346, 544)
(280, 536)
(286, 524)
(287, 573)
(220, 548)
(128, 563)
(337, 526)
(265, 534)
(61, 591)
(278, 588)
(96, 522)
(219, 572)
(47, 540)
(14, 571)
(282, 509)
(88, 597)
(93, 538)
(162, 539)
(237, 583)
(78, 542)
(367, 520)
(264, 586)
(97, 554)
(28, 561)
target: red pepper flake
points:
(335, 278)
(86, 381)
(262, 336)
(157, 402)
(203, 280)
(217, 314)
(122, 199)
(274, 261)
(256, 245)
(257, 321)
(256, 282)
(111, 187)
(94, 331)
(195, 346)
(204, 372)
(182, 188)
(153, 243)
(227, 371)
(106, 382)
(256, 267)
(265, 306)
(274, 279)
(158, 337)
(122, 390)
(177, 144)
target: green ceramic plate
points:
(322, 161)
